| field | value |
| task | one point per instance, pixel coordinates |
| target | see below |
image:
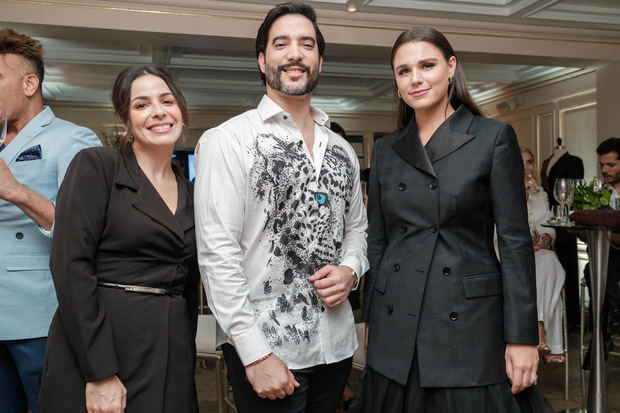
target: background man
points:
(33, 160)
(281, 231)
(609, 162)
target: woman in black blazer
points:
(123, 242)
(449, 328)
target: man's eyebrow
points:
(310, 38)
(282, 37)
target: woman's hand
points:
(106, 396)
(544, 243)
(521, 366)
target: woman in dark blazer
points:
(123, 241)
(448, 325)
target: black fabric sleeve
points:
(80, 218)
(514, 241)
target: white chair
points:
(205, 350)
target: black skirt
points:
(383, 395)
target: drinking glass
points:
(2, 126)
(560, 214)
(563, 191)
(578, 183)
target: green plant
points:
(591, 196)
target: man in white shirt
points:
(280, 228)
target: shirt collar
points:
(267, 109)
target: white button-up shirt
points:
(268, 215)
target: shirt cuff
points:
(50, 233)
(251, 346)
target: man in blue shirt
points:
(33, 159)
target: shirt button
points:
(390, 309)
(433, 229)
(403, 227)
(19, 235)
(433, 185)
(322, 308)
(447, 271)
(402, 186)
(454, 316)
(396, 267)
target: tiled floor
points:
(550, 382)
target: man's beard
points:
(273, 76)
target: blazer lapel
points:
(23, 138)
(409, 147)
(451, 135)
(147, 199)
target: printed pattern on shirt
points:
(304, 230)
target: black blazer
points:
(568, 166)
(435, 284)
(112, 225)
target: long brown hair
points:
(121, 96)
(457, 90)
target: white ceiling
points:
(81, 64)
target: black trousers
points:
(320, 388)
(566, 250)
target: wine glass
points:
(578, 183)
(563, 191)
(2, 126)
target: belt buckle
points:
(147, 290)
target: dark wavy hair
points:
(609, 145)
(121, 95)
(457, 90)
(292, 7)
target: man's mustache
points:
(293, 64)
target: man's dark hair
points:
(609, 145)
(293, 7)
(27, 48)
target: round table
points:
(598, 238)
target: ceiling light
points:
(351, 7)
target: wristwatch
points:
(356, 280)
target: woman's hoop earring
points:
(398, 92)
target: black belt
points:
(141, 289)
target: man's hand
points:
(106, 396)
(333, 284)
(271, 378)
(521, 366)
(9, 189)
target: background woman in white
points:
(549, 272)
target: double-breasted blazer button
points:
(19, 235)
(390, 309)
(402, 186)
(447, 271)
(396, 267)
(433, 229)
(454, 316)
(403, 228)
(433, 185)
